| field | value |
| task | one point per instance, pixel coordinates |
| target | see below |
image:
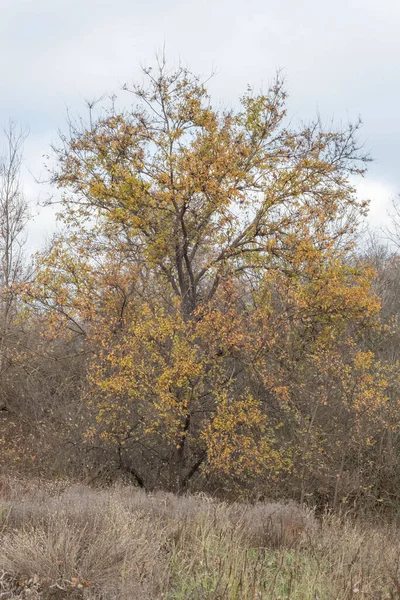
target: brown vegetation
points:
(206, 320)
(58, 541)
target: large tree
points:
(206, 259)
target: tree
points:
(206, 260)
(14, 214)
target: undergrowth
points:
(73, 542)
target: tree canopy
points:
(207, 264)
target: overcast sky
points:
(340, 58)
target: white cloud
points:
(380, 194)
(340, 57)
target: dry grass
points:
(61, 542)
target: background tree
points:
(38, 380)
(14, 214)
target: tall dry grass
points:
(59, 542)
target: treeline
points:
(205, 319)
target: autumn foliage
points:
(206, 271)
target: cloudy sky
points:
(340, 58)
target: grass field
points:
(73, 542)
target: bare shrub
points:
(273, 524)
(82, 540)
